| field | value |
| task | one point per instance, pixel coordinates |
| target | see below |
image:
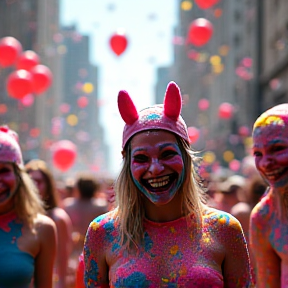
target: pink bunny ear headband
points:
(9, 147)
(165, 116)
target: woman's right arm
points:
(267, 262)
(96, 269)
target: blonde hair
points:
(130, 207)
(28, 203)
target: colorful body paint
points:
(157, 166)
(173, 254)
(16, 266)
(269, 218)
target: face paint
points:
(157, 166)
(8, 186)
(271, 151)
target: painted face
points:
(40, 182)
(8, 186)
(156, 165)
(271, 152)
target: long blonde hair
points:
(28, 203)
(130, 207)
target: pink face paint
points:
(157, 166)
(271, 150)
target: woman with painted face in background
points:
(162, 234)
(27, 236)
(269, 218)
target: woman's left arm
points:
(44, 262)
(236, 265)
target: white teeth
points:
(157, 185)
(159, 182)
(158, 179)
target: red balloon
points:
(194, 134)
(10, 48)
(225, 110)
(64, 154)
(203, 104)
(41, 78)
(82, 101)
(200, 31)
(206, 4)
(19, 84)
(27, 60)
(118, 43)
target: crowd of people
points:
(158, 223)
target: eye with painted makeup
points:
(140, 158)
(167, 154)
(5, 170)
(278, 148)
(257, 153)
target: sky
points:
(148, 26)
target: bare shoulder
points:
(221, 220)
(60, 215)
(262, 210)
(44, 225)
(67, 202)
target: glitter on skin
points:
(268, 220)
(169, 257)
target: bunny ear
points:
(172, 101)
(127, 108)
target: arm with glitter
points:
(96, 268)
(267, 261)
(236, 264)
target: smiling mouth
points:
(4, 195)
(159, 184)
(276, 174)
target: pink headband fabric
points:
(9, 147)
(164, 116)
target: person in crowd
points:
(82, 209)
(269, 218)
(227, 193)
(44, 180)
(161, 234)
(27, 235)
(242, 210)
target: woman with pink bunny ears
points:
(161, 234)
(27, 236)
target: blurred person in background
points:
(82, 209)
(44, 180)
(27, 236)
(226, 194)
(269, 218)
(161, 234)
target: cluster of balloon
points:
(206, 4)
(193, 134)
(200, 32)
(225, 110)
(64, 153)
(30, 77)
(118, 43)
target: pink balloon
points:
(225, 110)
(27, 60)
(200, 31)
(234, 165)
(10, 48)
(194, 134)
(82, 101)
(28, 100)
(203, 104)
(64, 154)
(19, 84)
